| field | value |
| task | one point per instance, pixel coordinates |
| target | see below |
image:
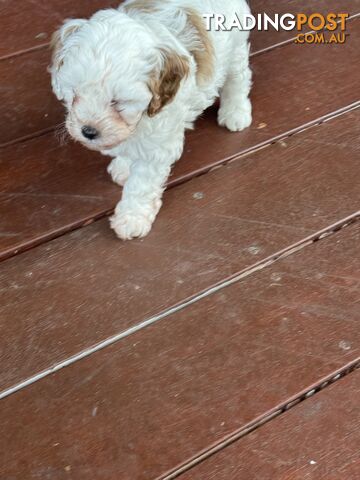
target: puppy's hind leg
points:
(235, 106)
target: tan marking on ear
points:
(202, 50)
(165, 86)
(205, 55)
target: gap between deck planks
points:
(202, 237)
(22, 114)
(318, 439)
(62, 204)
(193, 380)
(280, 255)
(67, 186)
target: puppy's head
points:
(110, 71)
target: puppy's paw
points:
(119, 169)
(130, 225)
(235, 118)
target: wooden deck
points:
(226, 344)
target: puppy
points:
(133, 79)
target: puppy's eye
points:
(117, 105)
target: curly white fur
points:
(103, 69)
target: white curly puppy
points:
(133, 79)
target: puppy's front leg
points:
(119, 169)
(142, 193)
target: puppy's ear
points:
(165, 85)
(59, 38)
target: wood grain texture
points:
(28, 105)
(28, 24)
(156, 399)
(317, 440)
(87, 286)
(294, 69)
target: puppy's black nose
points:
(89, 132)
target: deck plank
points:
(28, 105)
(317, 440)
(142, 406)
(60, 171)
(208, 229)
(38, 20)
